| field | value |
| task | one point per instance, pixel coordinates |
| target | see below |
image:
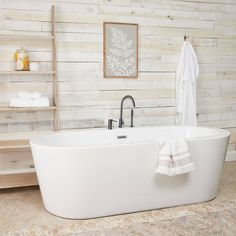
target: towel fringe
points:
(176, 170)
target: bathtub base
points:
(102, 180)
(85, 216)
(103, 187)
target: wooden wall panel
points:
(86, 99)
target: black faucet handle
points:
(132, 118)
(121, 123)
(110, 123)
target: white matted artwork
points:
(120, 50)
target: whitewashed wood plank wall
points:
(86, 99)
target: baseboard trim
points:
(231, 156)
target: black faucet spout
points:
(121, 121)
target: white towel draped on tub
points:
(186, 83)
(174, 157)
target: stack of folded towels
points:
(174, 157)
(26, 99)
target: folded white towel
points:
(174, 157)
(26, 102)
(34, 95)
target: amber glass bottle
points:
(21, 60)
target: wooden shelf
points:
(19, 140)
(18, 180)
(16, 163)
(14, 144)
(28, 72)
(15, 170)
(17, 167)
(25, 109)
(15, 136)
(16, 37)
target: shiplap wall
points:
(86, 99)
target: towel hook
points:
(186, 37)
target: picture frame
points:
(120, 50)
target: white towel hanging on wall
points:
(186, 83)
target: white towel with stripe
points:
(174, 157)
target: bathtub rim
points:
(221, 133)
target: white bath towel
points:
(186, 83)
(34, 95)
(174, 157)
(26, 102)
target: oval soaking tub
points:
(94, 173)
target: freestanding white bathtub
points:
(86, 174)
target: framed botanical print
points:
(120, 50)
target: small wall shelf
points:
(53, 73)
(28, 72)
(22, 179)
(18, 167)
(17, 37)
(14, 144)
(16, 164)
(25, 109)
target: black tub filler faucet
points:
(121, 120)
